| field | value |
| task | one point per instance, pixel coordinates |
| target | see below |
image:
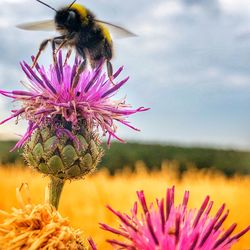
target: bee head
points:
(68, 19)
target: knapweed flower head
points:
(66, 107)
(166, 226)
(69, 93)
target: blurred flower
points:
(72, 94)
(38, 227)
(92, 244)
(168, 227)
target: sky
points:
(190, 64)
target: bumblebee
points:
(79, 29)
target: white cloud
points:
(4, 22)
(238, 80)
(167, 9)
(10, 1)
(235, 6)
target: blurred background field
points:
(84, 201)
(121, 155)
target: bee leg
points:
(65, 40)
(41, 48)
(61, 45)
(80, 69)
(54, 42)
(67, 56)
(110, 71)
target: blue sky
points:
(190, 64)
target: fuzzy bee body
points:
(91, 39)
(79, 29)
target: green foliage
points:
(7, 157)
(120, 155)
(227, 161)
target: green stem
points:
(55, 190)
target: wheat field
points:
(84, 201)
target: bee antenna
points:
(71, 4)
(47, 5)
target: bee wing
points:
(117, 31)
(46, 25)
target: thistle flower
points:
(66, 106)
(165, 226)
(62, 93)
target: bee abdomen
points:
(96, 43)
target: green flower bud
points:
(63, 152)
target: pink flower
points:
(60, 91)
(165, 226)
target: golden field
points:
(84, 201)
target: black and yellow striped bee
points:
(79, 29)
